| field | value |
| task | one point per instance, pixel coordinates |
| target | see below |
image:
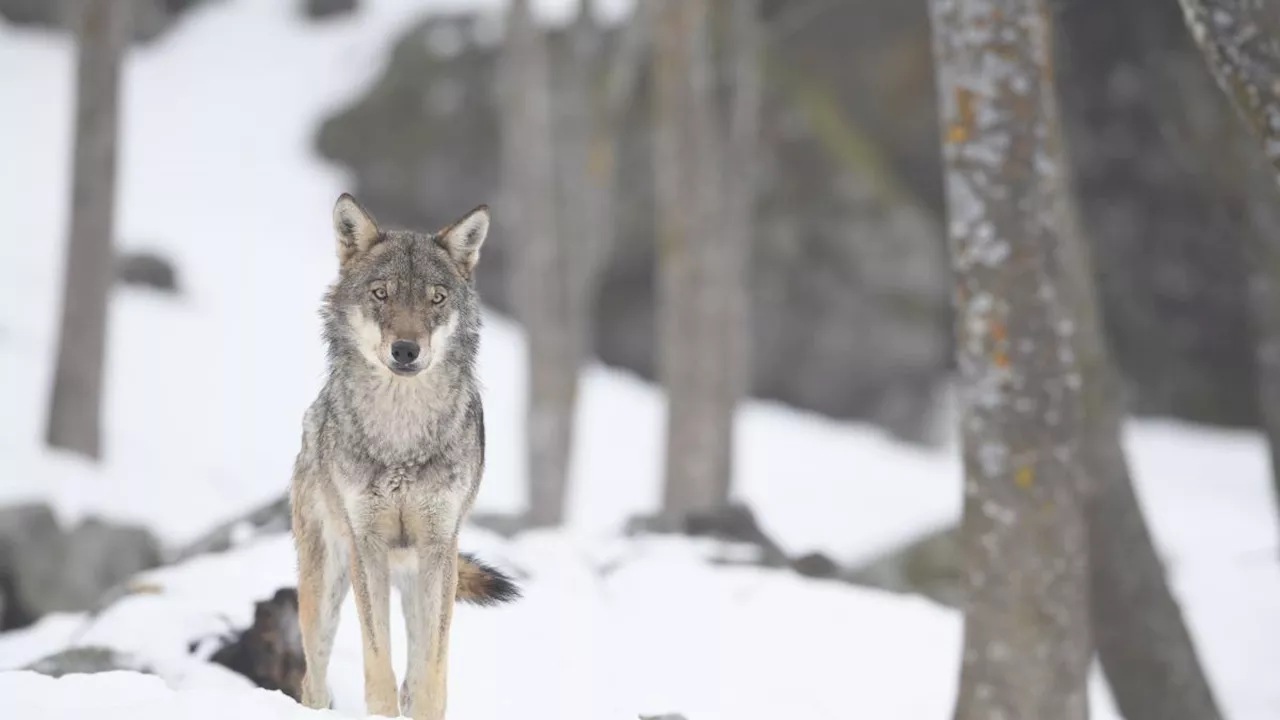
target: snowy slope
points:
(217, 174)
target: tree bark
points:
(1141, 638)
(1240, 40)
(703, 224)
(539, 269)
(75, 412)
(744, 64)
(1027, 636)
(1142, 641)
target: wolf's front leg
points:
(322, 586)
(371, 584)
(428, 611)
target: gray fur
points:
(392, 455)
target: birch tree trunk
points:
(539, 269)
(704, 226)
(1027, 639)
(1241, 43)
(75, 412)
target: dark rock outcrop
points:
(83, 660)
(44, 568)
(151, 17)
(850, 291)
(147, 269)
(325, 9)
(843, 251)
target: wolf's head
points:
(403, 299)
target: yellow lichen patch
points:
(960, 128)
(1023, 476)
(999, 335)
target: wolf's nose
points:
(404, 351)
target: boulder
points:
(44, 568)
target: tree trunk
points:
(539, 267)
(701, 255)
(1241, 43)
(559, 146)
(1027, 637)
(582, 195)
(1141, 637)
(744, 64)
(75, 412)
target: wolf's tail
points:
(481, 584)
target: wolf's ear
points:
(354, 227)
(463, 238)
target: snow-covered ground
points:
(205, 394)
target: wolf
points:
(392, 455)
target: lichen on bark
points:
(1027, 637)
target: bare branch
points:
(1241, 41)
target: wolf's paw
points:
(320, 699)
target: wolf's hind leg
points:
(322, 586)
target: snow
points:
(205, 394)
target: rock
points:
(815, 565)
(32, 549)
(930, 565)
(270, 651)
(152, 18)
(146, 269)
(12, 614)
(46, 569)
(86, 660)
(272, 517)
(319, 9)
(100, 555)
(733, 523)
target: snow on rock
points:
(126, 695)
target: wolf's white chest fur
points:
(405, 416)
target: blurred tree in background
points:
(1241, 42)
(705, 200)
(539, 273)
(75, 411)
(563, 229)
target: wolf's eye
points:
(380, 293)
(438, 297)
